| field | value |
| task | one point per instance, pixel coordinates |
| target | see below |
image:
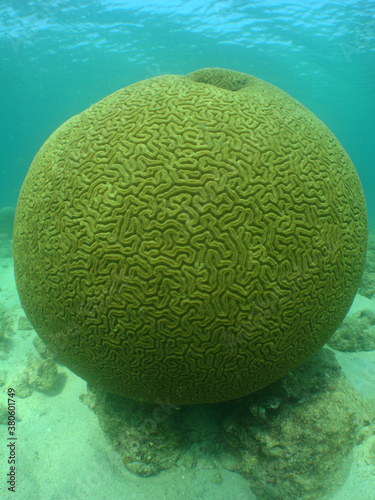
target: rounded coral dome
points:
(189, 239)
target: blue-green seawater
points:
(59, 57)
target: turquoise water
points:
(58, 57)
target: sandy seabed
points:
(62, 453)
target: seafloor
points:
(74, 443)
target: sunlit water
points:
(59, 57)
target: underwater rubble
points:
(35, 372)
(6, 323)
(356, 333)
(367, 285)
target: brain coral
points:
(189, 239)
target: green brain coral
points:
(189, 239)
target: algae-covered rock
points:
(300, 449)
(6, 322)
(356, 333)
(42, 374)
(291, 440)
(144, 435)
(367, 284)
(22, 387)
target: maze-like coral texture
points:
(189, 239)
